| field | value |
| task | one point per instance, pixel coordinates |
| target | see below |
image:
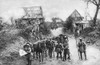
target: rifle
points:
(77, 48)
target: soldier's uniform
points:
(66, 52)
(51, 49)
(82, 49)
(27, 48)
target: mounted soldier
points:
(28, 48)
(82, 49)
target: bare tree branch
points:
(94, 2)
(97, 4)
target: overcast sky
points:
(51, 8)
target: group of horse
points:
(45, 48)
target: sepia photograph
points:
(49, 32)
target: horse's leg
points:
(51, 53)
(39, 57)
(61, 55)
(36, 56)
(33, 55)
(42, 56)
(57, 55)
(45, 53)
(65, 56)
(48, 53)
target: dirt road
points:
(93, 55)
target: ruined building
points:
(34, 15)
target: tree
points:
(44, 29)
(68, 25)
(97, 4)
(54, 23)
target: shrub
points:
(7, 60)
(87, 30)
(6, 39)
(14, 55)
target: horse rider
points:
(58, 49)
(66, 51)
(82, 49)
(27, 47)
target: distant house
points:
(76, 19)
(33, 14)
(76, 16)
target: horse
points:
(50, 47)
(39, 49)
(60, 39)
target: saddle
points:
(58, 48)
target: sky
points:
(51, 8)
